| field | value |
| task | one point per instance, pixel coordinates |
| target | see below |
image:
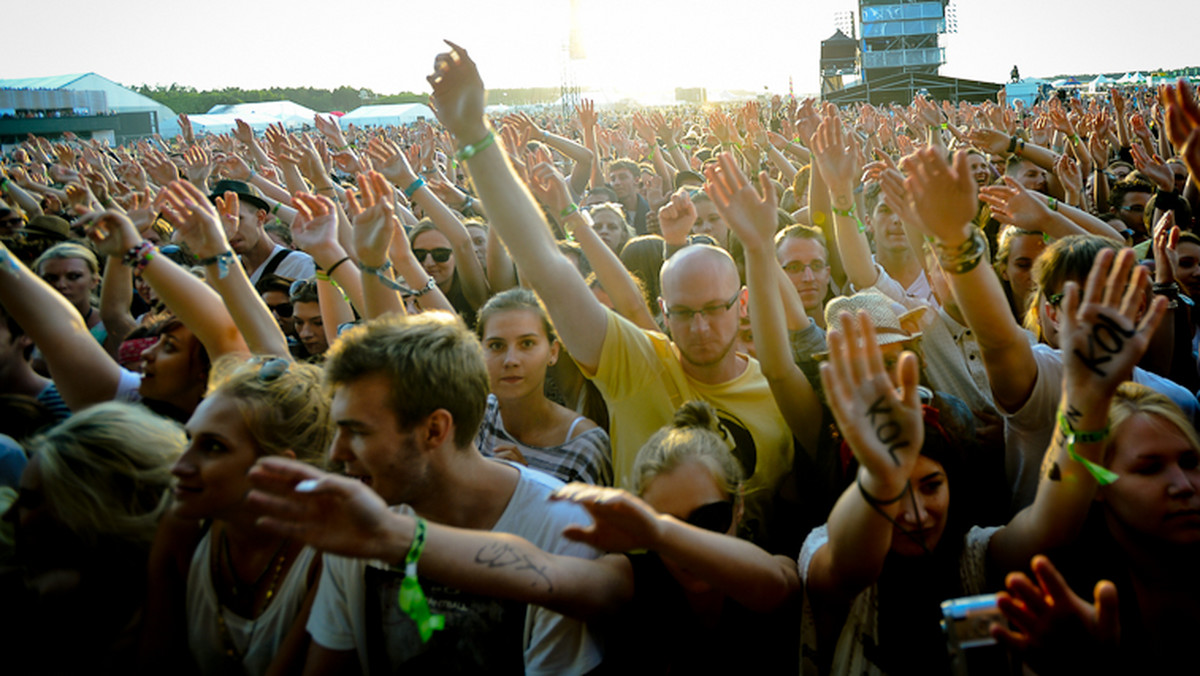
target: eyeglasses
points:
(299, 286)
(685, 314)
(796, 267)
(271, 369)
(715, 516)
(283, 310)
(440, 254)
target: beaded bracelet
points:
(472, 149)
(965, 257)
(139, 256)
(222, 260)
(1102, 475)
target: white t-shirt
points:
(1028, 430)
(297, 265)
(356, 608)
(918, 294)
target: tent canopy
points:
(288, 113)
(388, 114)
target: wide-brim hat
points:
(887, 315)
(245, 192)
(52, 227)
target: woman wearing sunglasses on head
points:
(696, 585)
(224, 594)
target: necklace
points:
(233, 574)
(276, 562)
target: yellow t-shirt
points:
(643, 382)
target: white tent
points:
(225, 123)
(1100, 81)
(120, 99)
(289, 113)
(388, 114)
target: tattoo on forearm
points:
(504, 556)
(887, 431)
(1106, 340)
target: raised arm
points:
(200, 225)
(579, 318)
(580, 155)
(837, 165)
(549, 186)
(1071, 469)
(944, 199)
(753, 219)
(869, 409)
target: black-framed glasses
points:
(685, 314)
(271, 369)
(440, 254)
(796, 267)
(283, 310)
(715, 516)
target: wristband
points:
(876, 502)
(222, 261)
(411, 599)
(849, 213)
(378, 273)
(322, 276)
(139, 256)
(472, 149)
(965, 257)
(1052, 203)
(568, 210)
(425, 289)
(1012, 144)
(4, 185)
(414, 187)
(275, 209)
(333, 267)
(328, 187)
(7, 263)
(1102, 475)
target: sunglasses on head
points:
(440, 254)
(715, 516)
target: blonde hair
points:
(694, 435)
(105, 471)
(1133, 399)
(68, 250)
(282, 409)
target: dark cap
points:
(245, 192)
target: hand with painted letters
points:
(879, 414)
(1100, 335)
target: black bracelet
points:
(1012, 144)
(333, 267)
(965, 257)
(876, 502)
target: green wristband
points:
(1102, 475)
(411, 598)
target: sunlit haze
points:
(633, 47)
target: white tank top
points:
(257, 640)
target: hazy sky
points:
(637, 45)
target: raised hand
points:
(1182, 124)
(160, 168)
(944, 197)
(836, 160)
(458, 94)
(1048, 616)
(185, 128)
(1166, 249)
(621, 521)
(374, 217)
(332, 513)
(1071, 177)
(390, 161)
(990, 140)
(112, 233)
(549, 187)
(243, 133)
(315, 224)
(1012, 204)
(1101, 337)
(676, 218)
(236, 168)
(196, 220)
(1154, 168)
(198, 166)
(753, 218)
(586, 110)
(330, 129)
(881, 422)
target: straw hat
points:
(887, 315)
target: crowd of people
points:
(654, 390)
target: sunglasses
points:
(440, 254)
(283, 310)
(715, 516)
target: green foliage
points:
(183, 99)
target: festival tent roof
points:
(225, 123)
(388, 114)
(287, 112)
(119, 98)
